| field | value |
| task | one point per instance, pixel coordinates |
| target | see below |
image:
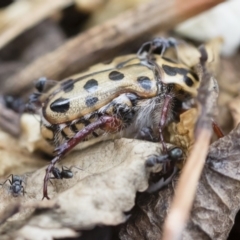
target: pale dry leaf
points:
(37, 233)
(31, 137)
(234, 106)
(216, 203)
(106, 179)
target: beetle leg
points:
(146, 133)
(163, 119)
(160, 44)
(141, 49)
(217, 129)
(103, 122)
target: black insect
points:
(16, 187)
(13, 103)
(173, 156)
(169, 161)
(65, 173)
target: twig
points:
(187, 185)
(104, 41)
(36, 12)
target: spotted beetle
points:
(114, 100)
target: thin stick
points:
(185, 194)
(187, 185)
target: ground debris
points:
(106, 189)
(216, 203)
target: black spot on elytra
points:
(91, 85)
(60, 105)
(169, 70)
(172, 71)
(68, 85)
(182, 71)
(145, 82)
(90, 101)
(116, 76)
(188, 81)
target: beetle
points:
(114, 100)
(15, 185)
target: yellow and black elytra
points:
(74, 103)
(115, 99)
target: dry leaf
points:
(216, 204)
(112, 172)
(31, 138)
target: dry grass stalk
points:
(104, 41)
(186, 188)
(188, 182)
(35, 11)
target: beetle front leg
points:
(163, 119)
(105, 122)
